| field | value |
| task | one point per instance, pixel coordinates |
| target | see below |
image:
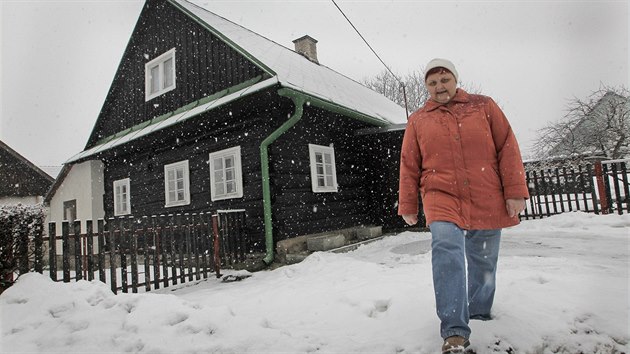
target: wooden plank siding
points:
(245, 123)
(384, 176)
(19, 177)
(204, 65)
(296, 209)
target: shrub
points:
(18, 227)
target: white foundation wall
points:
(85, 184)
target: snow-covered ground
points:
(562, 288)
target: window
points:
(122, 197)
(70, 210)
(226, 179)
(160, 75)
(176, 184)
(323, 173)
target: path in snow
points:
(562, 288)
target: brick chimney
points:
(307, 46)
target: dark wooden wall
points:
(204, 65)
(243, 124)
(384, 177)
(19, 179)
(296, 209)
(366, 168)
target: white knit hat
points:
(440, 63)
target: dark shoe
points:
(455, 345)
(481, 317)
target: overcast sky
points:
(59, 57)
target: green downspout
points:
(298, 101)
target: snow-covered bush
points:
(18, 227)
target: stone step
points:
(325, 242)
(295, 249)
(368, 232)
(354, 246)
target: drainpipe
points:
(298, 101)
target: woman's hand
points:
(410, 219)
(515, 206)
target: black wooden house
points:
(206, 115)
(21, 182)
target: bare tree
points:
(416, 93)
(389, 86)
(598, 126)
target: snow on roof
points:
(52, 171)
(287, 68)
(15, 156)
(174, 119)
(297, 72)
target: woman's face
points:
(442, 86)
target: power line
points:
(373, 51)
(366, 42)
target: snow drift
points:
(562, 288)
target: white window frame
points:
(235, 154)
(329, 179)
(122, 207)
(183, 166)
(159, 63)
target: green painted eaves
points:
(182, 109)
(334, 107)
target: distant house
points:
(21, 182)
(206, 115)
(77, 194)
(600, 134)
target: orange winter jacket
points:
(465, 160)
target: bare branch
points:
(596, 126)
(417, 95)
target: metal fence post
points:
(39, 242)
(22, 248)
(216, 245)
(78, 257)
(52, 250)
(65, 245)
(601, 187)
(101, 250)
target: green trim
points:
(224, 38)
(182, 109)
(298, 101)
(334, 107)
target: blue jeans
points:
(459, 298)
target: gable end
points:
(204, 65)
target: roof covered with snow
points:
(20, 177)
(286, 67)
(297, 72)
(172, 120)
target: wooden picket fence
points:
(154, 252)
(149, 252)
(600, 188)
